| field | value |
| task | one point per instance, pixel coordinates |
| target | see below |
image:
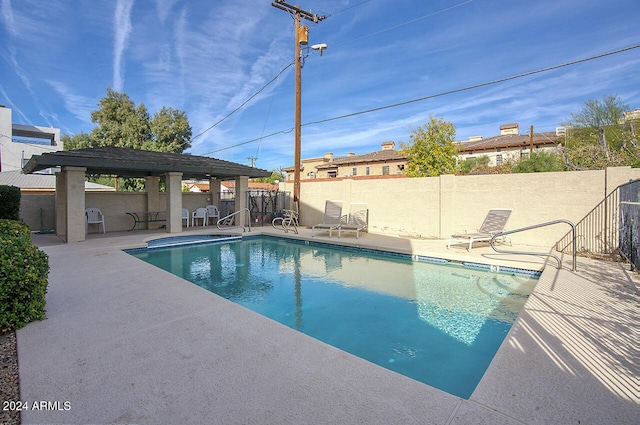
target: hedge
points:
(9, 202)
(23, 276)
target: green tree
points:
(432, 150)
(469, 164)
(599, 135)
(540, 162)
(119, 122)
(276, 175)
(170, 130)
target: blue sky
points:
(208, 57)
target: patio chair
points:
(493, 224)
(199, 213)
(93, 216)
(332, 218)
(358, 220)
(288, 220)
(213, 213)
(185, 216)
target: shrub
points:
(9, 202)
(23, 276)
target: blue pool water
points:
(438, 324)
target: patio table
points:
(145, 217)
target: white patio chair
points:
(213, 213)
(358, 220)
(332, 218)
(93, 216)
(185, 216)
(199, 213)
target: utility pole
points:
(253, 160)
(298, 14)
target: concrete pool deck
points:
(125, 342)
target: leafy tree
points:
(600, 136)
(275, 175)
(170, 130)
(540, 162)
(121, 123)
(469, 164)
(432, 150)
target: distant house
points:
(509, 145)
(19, 142)
(387, 161)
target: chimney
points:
(511, 128)
(351, 154)
(475, 138)
(390, 145)
(327, 157)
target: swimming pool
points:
(440, 324)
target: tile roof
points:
(508, 141)
(383, 155)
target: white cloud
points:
(122, 30)
(7, 17)
(80, 106)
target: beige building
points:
(509, 145)
(18, 142)
(387, 161)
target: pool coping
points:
(100, 336)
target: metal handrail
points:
(232, 215)
(547, 254)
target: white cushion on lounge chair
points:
(493, 224)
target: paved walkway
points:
(125, 342)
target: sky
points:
(388, 67)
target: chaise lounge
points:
(493, 224)
(332, 218)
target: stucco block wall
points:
(439, 206)
(30, 206)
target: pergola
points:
(125, 162)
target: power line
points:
(475, 86)
(405, 23)
(243, 103)
(488, 83)
(347, 8)
(315, 17)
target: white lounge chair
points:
(358, 220)
(493, 224)
(332, 218)
(213, 213)
(185, 216)
(199, 213)
(93, 216)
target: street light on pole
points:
(301, 37)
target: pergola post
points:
(174, 202)
(74, 203)
(242, 188)
(214, 191)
